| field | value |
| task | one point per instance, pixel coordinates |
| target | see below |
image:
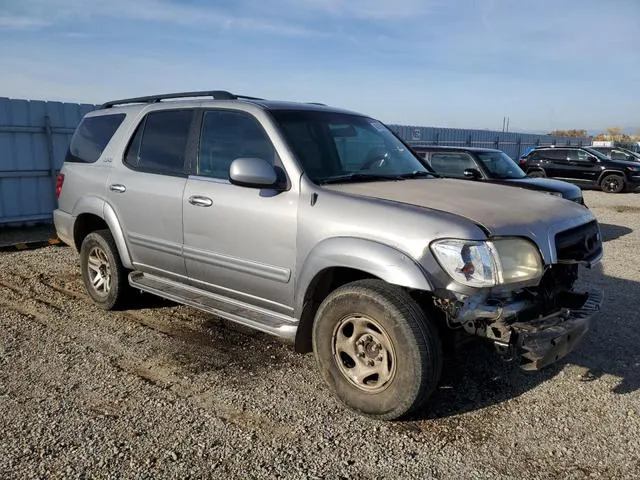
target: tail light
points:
(59, 182)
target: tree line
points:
(612, 133)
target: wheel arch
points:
(611, 172)
(93, 213)
(338, 261)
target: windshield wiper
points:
(417, 174)
(357, 177)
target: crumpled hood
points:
(502, 210)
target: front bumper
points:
(543, 341)
(537, 341)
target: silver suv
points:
(320, 226)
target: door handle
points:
(117, 187)
(199, 201)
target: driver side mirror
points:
(472, 173)
(252, 172)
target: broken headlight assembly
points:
(489, 263)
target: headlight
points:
(488, 263)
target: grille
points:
(580, 243)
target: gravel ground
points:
(166, 391)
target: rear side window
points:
(554, 154)
(92, 136)
(160, 142)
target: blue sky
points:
(460, 63)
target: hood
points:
(624, 163)
(567, 190)
(501, 210)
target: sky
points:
(545, 64)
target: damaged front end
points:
(539, 324)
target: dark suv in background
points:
(618, 153)
(491, 166)
(583, 166)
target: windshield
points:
(342, 147)
(500, 165)
(596, 153)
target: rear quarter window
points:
(92, 136)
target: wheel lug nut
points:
(361, 354)
(379, 358)
(371, 363)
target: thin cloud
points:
(368, 9)
(40, 13)
(21, 22)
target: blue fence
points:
(34, 136)
(513, 144)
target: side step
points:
(281, 326)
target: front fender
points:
(379, 260)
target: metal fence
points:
(513, 144)
(34, 137)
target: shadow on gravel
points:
(142, 300)
(476, 378)
(612, 232)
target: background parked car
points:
(617, 153)
(492, 166)
(583, 166)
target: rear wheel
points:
(376, 349)
(104, 276)
(536, 174)
(612, 183)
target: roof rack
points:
(215, 94)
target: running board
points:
(280, 326)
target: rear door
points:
(146, 191)
(555, 162)
(583, 168)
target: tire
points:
(99, 258)
(612, 183)
(536, 174)
(371, 326)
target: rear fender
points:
(100, 208)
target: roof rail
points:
(215, 94)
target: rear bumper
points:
(544, 341)
(63, 222)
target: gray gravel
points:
(166, 391)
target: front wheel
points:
(376, 349)
(612, 184)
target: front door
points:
(146, 192)
(583, 168)
(239, 242)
